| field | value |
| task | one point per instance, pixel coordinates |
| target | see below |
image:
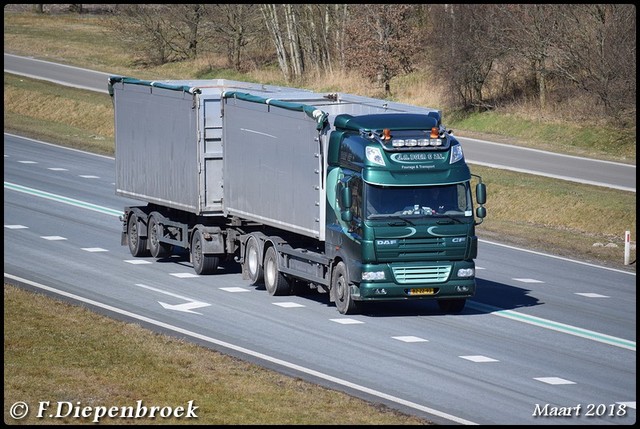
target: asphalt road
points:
(543, 335)
(481, 152)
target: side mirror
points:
(481, 212)
(481, 193)
(346, 197)
(345, 204)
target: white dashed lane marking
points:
(479, 359)
(234, 289)
(346, 321)
(410, 339)
(554, 380)
(288, 304)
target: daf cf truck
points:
(364, 199)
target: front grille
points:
(413, 249)
(421, 274)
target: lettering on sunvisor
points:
(418, 157)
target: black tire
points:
(275, 283)
(137, 244)
(252, 261)
(156, 248)
(202, 264)
(342, 292)
(452, 306)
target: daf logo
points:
(386, 242)
(458, 240)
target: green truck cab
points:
(400, 211)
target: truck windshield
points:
(386, 201)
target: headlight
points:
(466, 272)
(456, 154)
(375, 156)
(373, 275)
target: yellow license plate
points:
(422, 291)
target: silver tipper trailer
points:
(168, 140)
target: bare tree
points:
(340, 15)
(235, 26)
(288, 25)
(378, 45)
(294, 40)
(596, 51)
(317, 37)
(160, 33)
(272, 22)
(530, 31)
(463, 50)
(186, 25)
(143, 28)
(307, 37)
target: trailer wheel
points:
(202, 264)
(157, 249)
(452, 306)
(137, 244)
(252, 261)
(340, 283)
(275, 283)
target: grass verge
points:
(57, 352)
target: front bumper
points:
(413, 281)
(380, 291)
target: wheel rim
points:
(153, 233)
(197, 251)
(342, 294)
(270, 272)
(252, 257)
(341, 289)
(133, 232)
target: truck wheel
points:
(275, 283)
(156, 248)
(137, 244)
(340, 283)
(202, 264)
(252, 261)
(452, 306)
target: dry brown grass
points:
(72, 112)
(54, 351)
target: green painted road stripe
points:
(62, 199)
(560, 327)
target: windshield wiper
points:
(449, 217)
(391, 216)
(402, 218)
